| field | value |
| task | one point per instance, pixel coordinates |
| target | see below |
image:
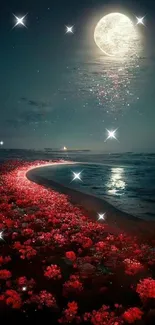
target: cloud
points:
(37, 104)
(25, 119)
(33, 112)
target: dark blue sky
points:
(53, 84)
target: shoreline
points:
(116, 220)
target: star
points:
(69, 29)
(76, 176)
(1, 235)
(140, 20)
(101, 216)
(111, 135)
(1, 143)
(24, 288)
(19, 21)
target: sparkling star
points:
(1, 235)
(24, 288)
(69, 29)
(140, 20)
(76, 176)
(111, 135)
(101, 216)
(19, 21)
(1, 143)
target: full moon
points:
(116, 35)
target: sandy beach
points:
(116, 220)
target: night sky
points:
(58, 89)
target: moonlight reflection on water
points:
(116, 184)
(112, 83)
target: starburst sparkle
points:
(1, 235)
(20, 21)
(69, 29)
(76, 176)
(140, 20)
(111, 135)
(101, 216)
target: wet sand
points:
(116, 220)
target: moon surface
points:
(116, 35)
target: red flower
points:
(53, 272)
(87, 242)
(132, 266)
(13, 299)
(132, 314)
(46, 299)
(5, 274)
(26, 251)
(28, 232)
(4, 260)
(73, 285)
(103, 316)
(22, 281)
(146, 288)
(100, 246)
(69, 313)
(73, 306)
(71, 256)
(43, 299)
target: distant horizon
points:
(146, 151)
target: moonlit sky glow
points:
(59, 88)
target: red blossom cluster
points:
(49, 238)
(72, 285)
(132, 314)
(12, 298)
(24, 284)
(103, 316)
(26, 251)
(70, 313)
(43, 299)
(71, 256)
(4, 260)
(5, 274)
(53, 272)
(132, 266)
(146, 288)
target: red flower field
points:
(57, 262)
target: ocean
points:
(126, 180)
